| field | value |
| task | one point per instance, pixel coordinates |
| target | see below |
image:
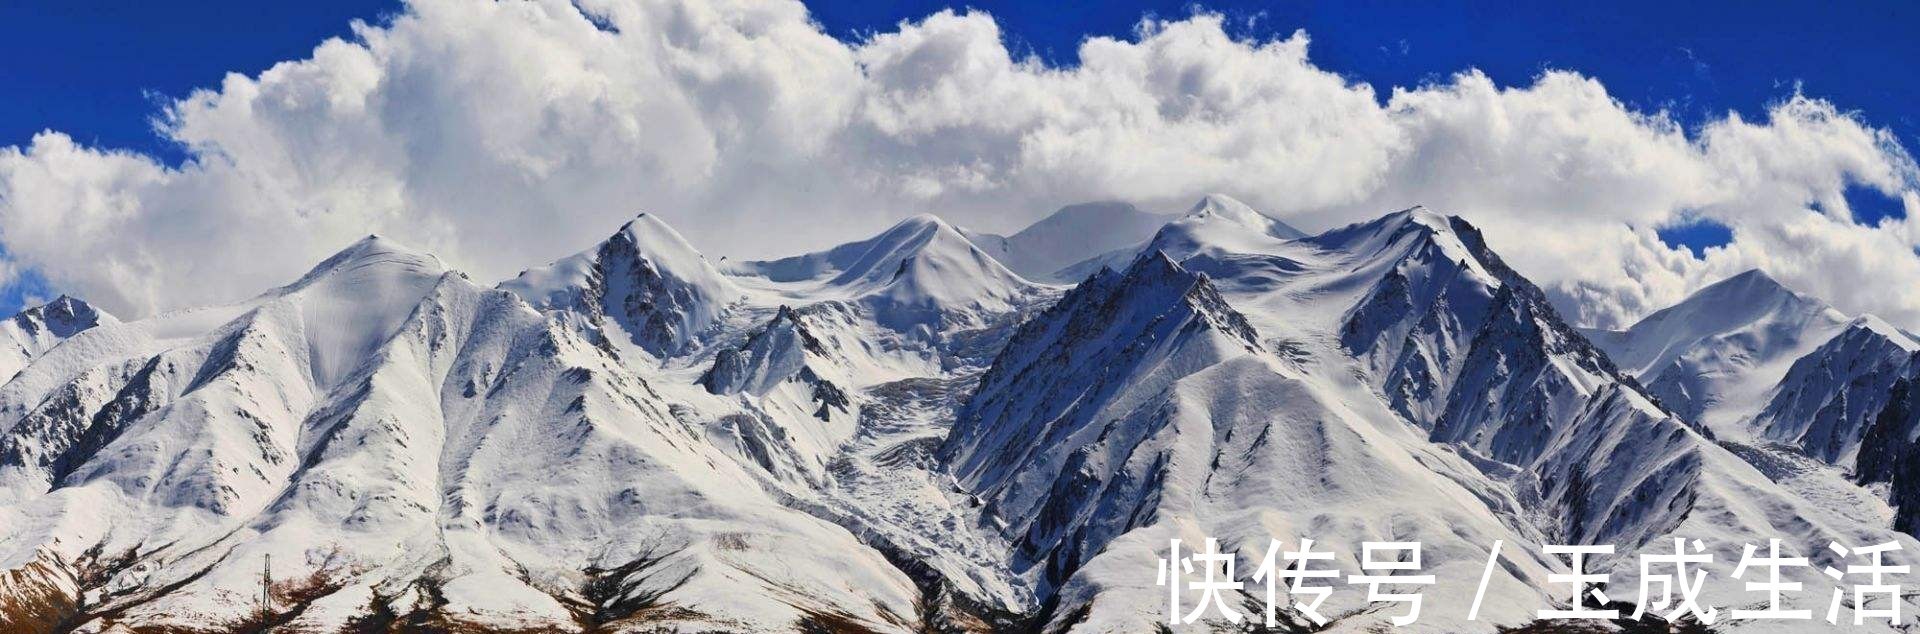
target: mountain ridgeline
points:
(930, 430)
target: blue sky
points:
(98, 70)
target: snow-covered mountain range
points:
(930, 430)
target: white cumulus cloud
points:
(501, 135)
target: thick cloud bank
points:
(501, 135)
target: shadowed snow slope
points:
(1827, 398)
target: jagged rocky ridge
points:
(898, 434)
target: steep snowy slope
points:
(38, 329)
(644, 284)
(1714, 357)
(1070, 235)
(832, 372)
(408, 447)
(1141, 408)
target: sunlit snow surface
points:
(911, 432)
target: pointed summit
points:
(1219, 224)
(871, 261)
(1220, 208)
(1751, 290)
(1714, 356)
(62, 317)
(354, 300)
(645, 280)
(920, 271)
(670, 251)
(34, 331)
(1752, 277)
(1224, 208)
(1147, 325)
(1775, 317)
(367, 258)
(1380, 233)
(778, 351)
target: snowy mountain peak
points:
(778, 351)
(1723, 307)
(62, 317)
(876, 258)
(1748, 293)
(645, 281)
(1461, 343)
(924, 221)
(368, 260)
(36, 330)
(1712, 357)
(1156, 269)
(1220, 208)
(1873, 323)
(1423, 216)
(920, 272)
(1156, 265)
(1222, 205)
(1830, 396)
(1081, 215)
(650, 238)
(1111, 341)
(895, 252)
(1391, 230)
(352, 302)
(1218, 224)
(1754, 278)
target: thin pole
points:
(266, 588)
